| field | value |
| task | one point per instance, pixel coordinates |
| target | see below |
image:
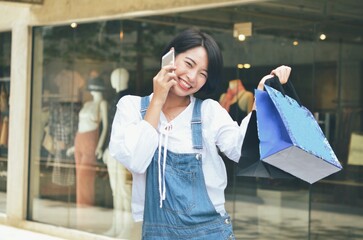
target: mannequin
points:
(120, 79)
(237, 100)
(120, 177)
(88, 142)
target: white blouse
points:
(134, 141)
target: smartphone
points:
(168, 58)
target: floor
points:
(265, 214)
(12, 233)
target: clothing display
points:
(4, 114)
(237, 100)
(4, 135)
(63, 173)
(143, 139)
(85, 145)
(62, 124)
(4, 98)
(48, 142)
(69, 84)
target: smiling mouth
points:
(184, 85)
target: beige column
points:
(19, 123)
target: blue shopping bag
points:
(291, 139)
(250, 164)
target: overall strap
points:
(144, 105)
(196, 125)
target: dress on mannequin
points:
(62, 125)
(89, 141)
(120, 177)
(237, 100)
(63, 94)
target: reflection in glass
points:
(5, 57)
(75, 182)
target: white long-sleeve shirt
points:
(134, 142)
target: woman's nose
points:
(192, 76)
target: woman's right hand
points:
(162, 82)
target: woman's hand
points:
(282, 72)
(162, 82)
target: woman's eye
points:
(189, 64)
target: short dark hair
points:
(191, 38)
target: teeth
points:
(185, 84)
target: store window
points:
(82, 70)
(5, 56)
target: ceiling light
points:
(243, 65)
(74, 25)
(241, 37)
(295, 43)
(242, 30)
(322, 36)
(247, 65)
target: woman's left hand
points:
(282, 72)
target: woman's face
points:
(191, 71)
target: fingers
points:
(282, 72)
(164, 76)
(171, 83)
(163, 81)
(168, 68)
(263, 80)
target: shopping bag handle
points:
(286, 89)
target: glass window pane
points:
(5, 59)
(81, 73)
(76, 186)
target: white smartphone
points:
(168, 58)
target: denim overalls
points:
(187, 212)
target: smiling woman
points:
(180, 128)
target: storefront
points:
(119, 49)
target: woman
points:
(169, 142)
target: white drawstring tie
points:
(162, 187)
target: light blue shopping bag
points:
(291, 139)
